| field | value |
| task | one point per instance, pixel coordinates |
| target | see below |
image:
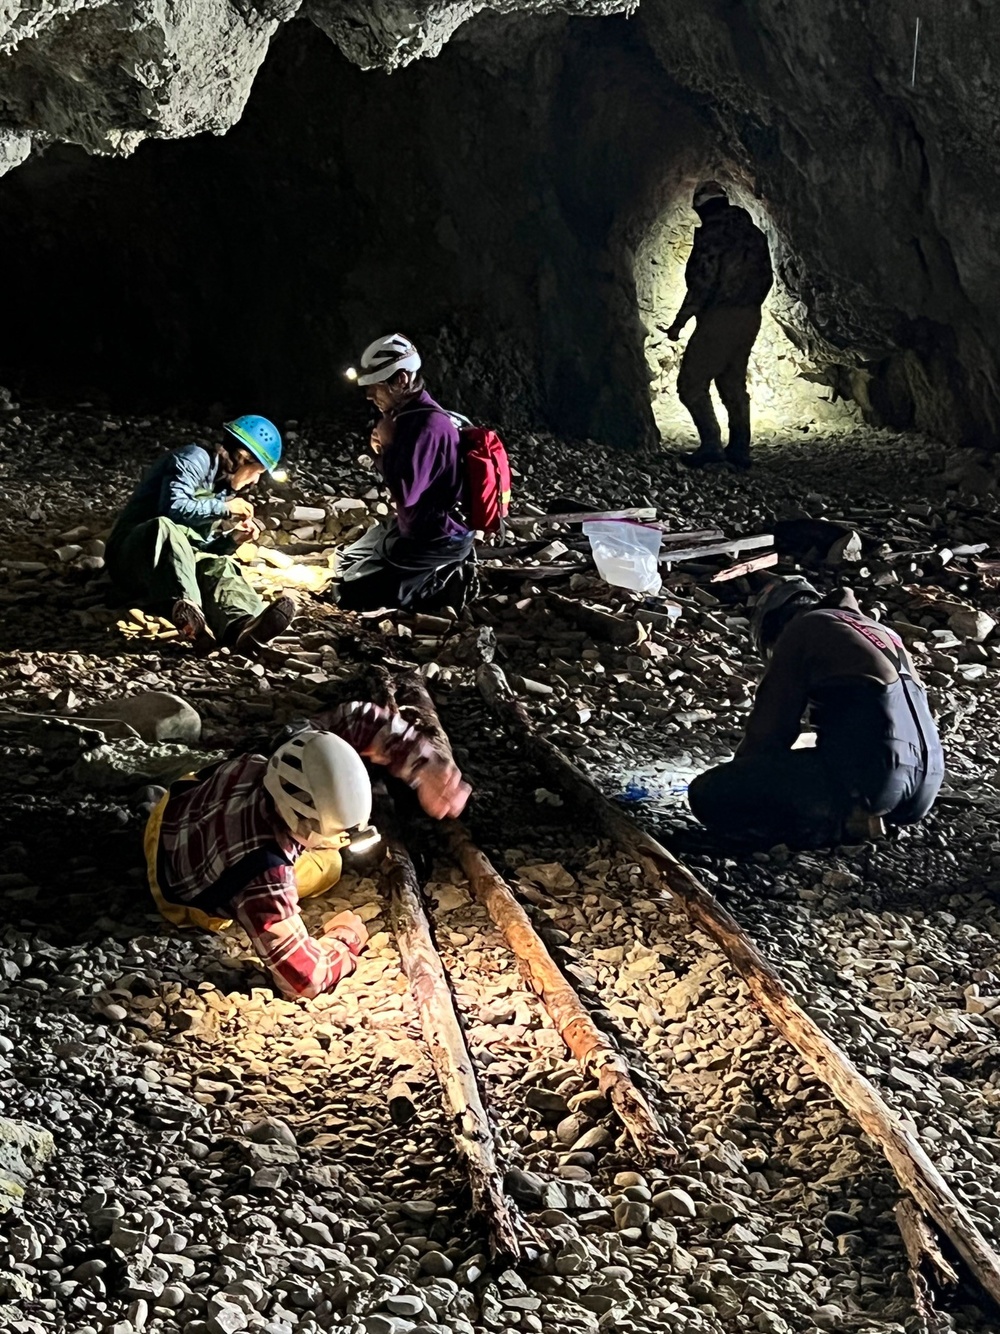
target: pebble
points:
(675, 1203)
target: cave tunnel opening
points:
(789, 390)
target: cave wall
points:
(473, 201)
(496, 201)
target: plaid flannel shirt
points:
(211, 828)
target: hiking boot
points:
(246, 635)
(738, 459)
(861, 826)
(189, 619)
(702, 458)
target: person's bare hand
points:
(239, 508)
(348, 927)
(442, 790)
(382, 434)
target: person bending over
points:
(877, 749)
(418, 557)
(171, 552)
(246, 839)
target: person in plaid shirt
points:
(248, 838)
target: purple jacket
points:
(421, 462)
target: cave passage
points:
(787, 390)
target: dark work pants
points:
(719, 350)
(796, 797)
(787, 796)
(155, 564)
(385, 569)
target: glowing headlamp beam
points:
(365, 839)
(351, 373)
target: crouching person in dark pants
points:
(877, 750)
(421, 557)
(170, 552)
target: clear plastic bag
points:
(626, 553)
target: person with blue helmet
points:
(171, 549)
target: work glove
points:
(441, 789)
(349, 928)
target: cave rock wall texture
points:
(502, 202)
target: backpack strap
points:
(457, 419)
(897, 658)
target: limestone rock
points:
(970, 623)
(122, 765)
(119, 74)
(24, 1148)
(155, 715)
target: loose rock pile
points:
(225, 1160)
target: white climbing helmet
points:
(321, 790)
(385, 357)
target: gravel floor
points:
(224, 1160)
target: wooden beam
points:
(470, 1124)
(596, 1053)
(543, 573)
(585, 516)
(717, 548)
(598, 621)
(914, 1170)
(925, 1258)
(745, 567)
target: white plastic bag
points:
(626, 553)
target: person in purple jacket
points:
(421, 556)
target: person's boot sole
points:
(273, 620)
(189, 620)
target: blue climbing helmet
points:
(259, 436)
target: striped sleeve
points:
(380, 736)
(268, 910)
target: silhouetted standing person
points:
(728, 276)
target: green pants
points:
(156, 563)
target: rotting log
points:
(470, 1124)
(914, 1170)
(596, 1052)
(922, 1250)
(608, 625)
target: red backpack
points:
(487, 471)
(487, 478)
